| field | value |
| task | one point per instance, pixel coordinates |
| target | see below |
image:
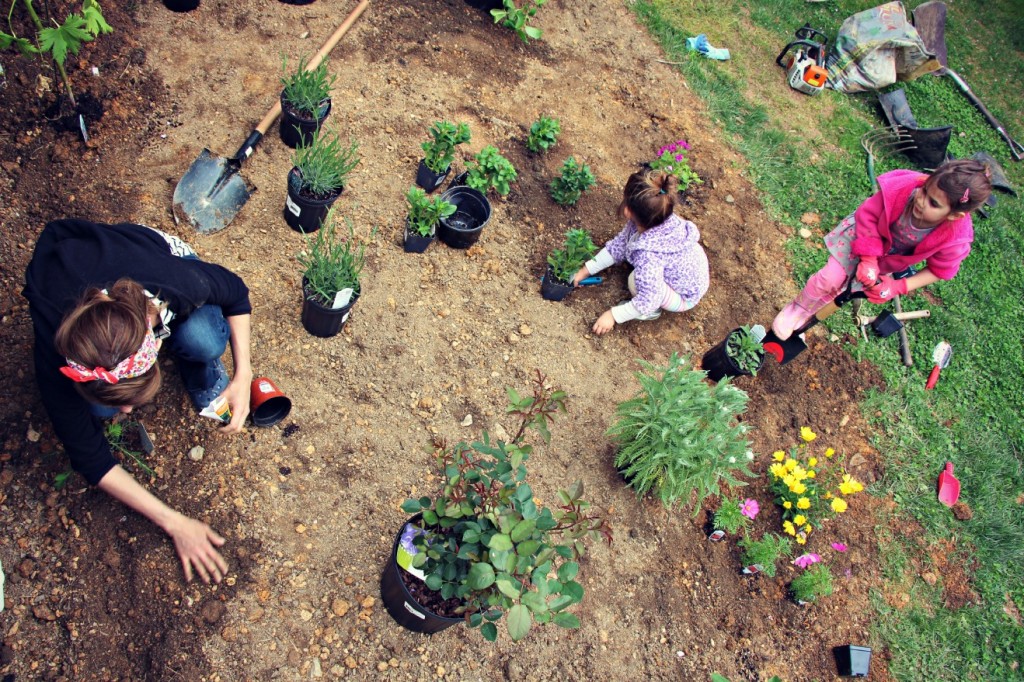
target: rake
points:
(879, 141)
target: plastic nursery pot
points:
(486, 5)
(717, 363)
(303, 213)
(472, 211)
(323, 321)
(428, 179)
(267, 404)
(297, 128)
(181, 5)
(400, 602)
(298, 2)
(852, 660)
(414, 242)
(553, 289)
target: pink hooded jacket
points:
(944, 248)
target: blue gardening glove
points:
(867, 270)
(886, 288)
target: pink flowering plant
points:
(808, 488)
(672, 158)
(730, 516)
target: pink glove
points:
(886, 288)
(867, 270)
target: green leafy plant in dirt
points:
(439, 150)
(325, 163)
(518, 18)
(425, 212)
(812, 584)
(331, 263)
(575, 178)
(117, 435)
(745, 350)
(61, 38)
(307, 91)
(672, 158)
(578, 249)
(543, 134)
(729, 517)
(679, 437)
(765, 553)
(486, 541)
(490, 169)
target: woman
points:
(103, 298)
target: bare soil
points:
(311, 506)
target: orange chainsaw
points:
(804, 61)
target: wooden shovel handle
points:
(275, 110)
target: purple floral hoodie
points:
(666, 256)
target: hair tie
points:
(966, 197)
(988, 173)
(662, 191)
(136, 364)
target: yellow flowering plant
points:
(809, 488)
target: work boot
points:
(796, 314)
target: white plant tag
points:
(292, 206)
(342, 298)
(758, 332)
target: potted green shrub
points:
(439, 152)
(679, 437)
(424, 215)
(305, 101)
(762, 556)
(564, 263)
(331, 269)
(484, 548)
(740, 353)
(569, 185)
(812, 584)
(489, 169)
(543, 134)
(320, 173)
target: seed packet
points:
(218, 409)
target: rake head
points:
(889, 140)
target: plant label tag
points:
(342, 298)
(292, 206)
(407, 550)
(752, 569)
(218, 409)
(716, 536)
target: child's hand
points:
(886, 288)
(867, 270)
(604, 324)
(580, 275)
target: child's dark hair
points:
(966, 183)
(650, 196)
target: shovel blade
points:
(783, 351)
(211, 193)
(949, 486)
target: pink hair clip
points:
(966, 197)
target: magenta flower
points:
(684, 144)
(805, 560)
(750, 508)
(671, 147)
(679, 157)
(839, 547)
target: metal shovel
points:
(212, 192)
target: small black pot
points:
(485, 5)
(472, 211)
(298, 2)
(181, 5)
(320, 320)
(414, 242)
(852, 660)
(717, 363)
(553, 289)
(428, 179)
(302, 213)
(401, 605)
(298, 129)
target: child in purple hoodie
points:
(670, 268)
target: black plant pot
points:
(553, 289)
(414, 242)
(852, 660)
(320, 320)
(485, 5)
(717, 363)
(298, 129)
(304, 213)
(472, 211)
(714, 534)
(428, 179)
(401, 604)
(298, 2)
(181, 5)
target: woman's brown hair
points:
(104, 329)
(963, 179)
(651, 197)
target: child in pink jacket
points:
(913, 217)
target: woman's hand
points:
(604, 324)
(580, 275)
(195, 543)
(237, 394)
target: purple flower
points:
(683, 144)
(408, 535)
(839, 547)
(750, 508)
(662, 150)
(679, 157)
(672, 147)
(805, 560)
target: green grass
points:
(973, 416)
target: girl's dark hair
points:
(650, 196)
(955, 178)
(104, 329)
